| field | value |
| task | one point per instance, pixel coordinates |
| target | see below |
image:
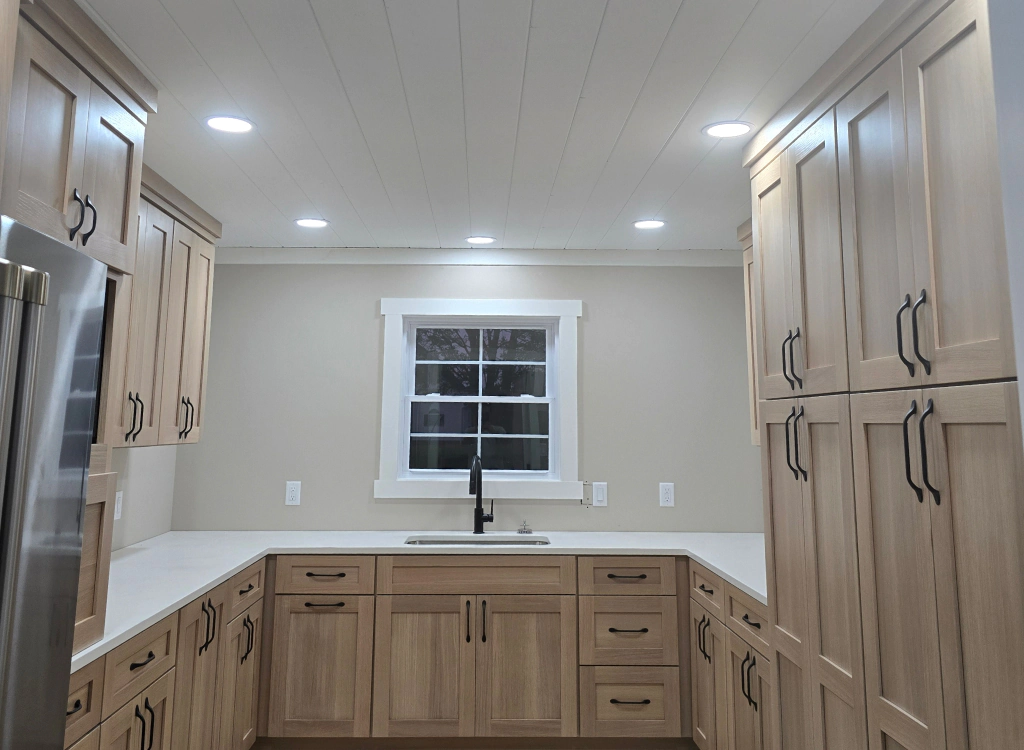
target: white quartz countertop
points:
(153, 579)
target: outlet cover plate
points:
(118, 500)
(667, 495)
(600, 494)
(292, 493)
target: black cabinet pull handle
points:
(213, 613)
(142, 416)
(743, 677)
(929, 409)
(906, 447)
(707, 627)
(75, 708)
(917, 344)
(796, 443)
(191, 417)
(483, 619)
(252, 636)
(248, 638)
(700, 636)
(140, 717)
(184, 419)
(617, 702)
(95, 221)
(152, 724)
(206, 637)
(135, 408)
(640, 577)
(468, 625)
(789, 460)
(140, 664)
(792, 385)
(899, 335)
(316, 604)
(792, 367)
(751, 623)
(77, 227)
(750, 668)
(325, 575)
(706, 590)
(619, 630)
(246, 590)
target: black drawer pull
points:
(336, 604)
(751, 623)
(640, 577)
(617, 630)
(324, 575)
(245, 591)
(140, 664)
(467, 622)
(617, 702)
(706, 590)
(75, 709)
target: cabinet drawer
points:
(245, 587)
(629, 702)
(85, 699)
(747, 617)
(465, 574)
(324, 574)
(636, 576)
(135, 665)
(628, 630)
(708, 589)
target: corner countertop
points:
(153, 579)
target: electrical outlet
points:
(600, 494)
(118, 499)
(292, 493)
(667, 495)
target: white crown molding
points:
(388, 256)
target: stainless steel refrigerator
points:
(51, 330)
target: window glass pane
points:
(447, 344)
(515, 454)
(515, 345)
(443, 417)
(448, 380)
(515, 419)
(513, 380)
(441, 452)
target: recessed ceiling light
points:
(311, 223)
(479, 240)
(649, 224)
(727, 129)
(230, 124)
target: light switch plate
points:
(292, 493)
(600, 494)
(667, 495)
(118, 499)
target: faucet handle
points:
(524, 529)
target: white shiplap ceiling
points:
(417, 123)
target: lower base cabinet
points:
(748, 697)
(144, 722)
(708, 664)
(199, 686)
(629, 702)
(241, 675)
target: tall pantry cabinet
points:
(892, 457)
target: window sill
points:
(499, 489)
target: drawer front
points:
(747, 617)
(245, 587)
(85, 702)
(472, 574)
(628, 630)
(135, 665)
(629, 702)
(708, 589)
(324, 574)
(634, 576)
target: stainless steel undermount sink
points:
(474, 540)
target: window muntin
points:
(483, 391)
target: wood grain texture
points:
(125, 730)
(683, 631)
(471, 574)
(743, 614)
(707, 678)
(172, 410)
(94, 569)
(266, 649)
(8, 40)
(246, 587)
(195, 347)
(744, 725)
(751, 322)
(634, 576)
(120, 681)
(160, 192)
(199, 684)
(240, 667)
(324, 574)
(91, 741)
(600, 717)
(114, 417)
(709, 589)
(628, 631)
(85, 702)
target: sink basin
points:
(475, 540)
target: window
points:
(492, 378)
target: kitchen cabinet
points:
(629, 702)
(200, 682)
(85, 702)
(91, 741)
(745, 235)
(628, 631)
(744, 703)
(708, 665)
(144, 722)
(322, 666)
(627, 576)
(241, 670)
(97, 537)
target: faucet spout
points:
(476, 487)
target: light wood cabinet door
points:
(761, 691)
(425, 666)
(46, 138)
(90, 741)
(878, 258)
(819, 316)
(115, 412)
(897, 575)
(708, 663)
(241, 670)
(200, 680)
(322, 666)
(144, 722)
(752, 367)
(146, 334)
(956, 199)
(772, 281)
(975, 461)
(94, 569)
(744, 724)
(112, 178)
(173, 410)
(526, 667)
(836, 666)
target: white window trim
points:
(398, 313)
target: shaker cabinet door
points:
(708, 692)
